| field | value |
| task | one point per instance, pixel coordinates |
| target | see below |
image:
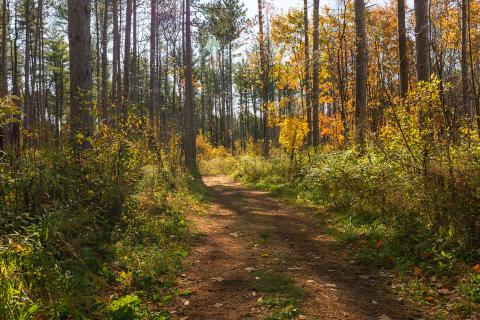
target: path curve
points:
(251, 245)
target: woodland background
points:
(368, 112)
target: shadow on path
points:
(249, 230)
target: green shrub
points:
(125, 308)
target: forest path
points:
(252, 247)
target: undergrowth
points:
(390, 215)
(101, 235)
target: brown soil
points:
(249, 237)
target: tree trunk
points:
(361, 73)
(4, 61)
(98, 74)
(472, 71)
(231, 117)
(465, 112)
(402, 48)
(27, 117)
(4, 67)
(422, 42)
(264, 75)
(80, 72)
(105, 61)
(134, 71)
(308, 93)
(116, 77)
(16, 86)
(127, 58)
(189, 112)
(153, 57)
(316, 65)
(422, 45)
(223, 106)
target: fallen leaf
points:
(249, 269)
(384, 317)
(417, 271)
(430, 299)
(186, 303)
(476, 268)
(444, 291)
(218, 305)
(295, 268)
(217, 279)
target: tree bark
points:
(79, 39)
(4, 67)
(465, 111)
(189, 112)
(127, 57)
(26, 96)
(98, 74)
(402, 48)
(308, 87)
(264, 75)
(316, 66)
(134, 61)
(16, 86)
(361, 73)
(105, 61)
(116, 77)
(4, 61)
(153, 57)
(422, 43)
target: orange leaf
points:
(417, 271)
(476, 268)
(378, 244)
(426, 255)
(430, 299)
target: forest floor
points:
(259, 258)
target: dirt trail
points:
(253, 246)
